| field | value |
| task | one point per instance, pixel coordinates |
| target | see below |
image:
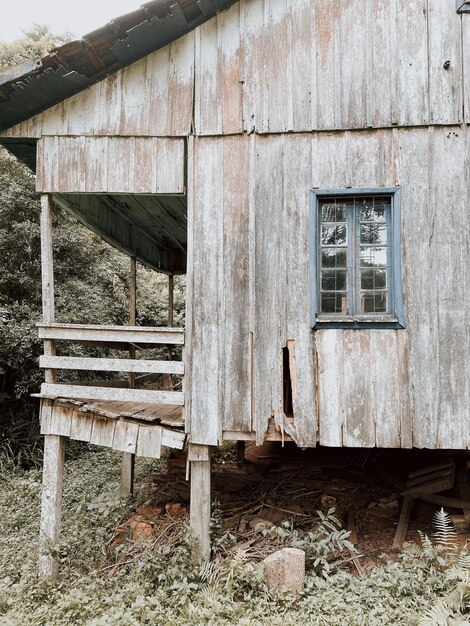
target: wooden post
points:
(200, 505)
(167, 378)
(51, 505)
(54, 446)
(128, 459)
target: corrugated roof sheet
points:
(34, 86)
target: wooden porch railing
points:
(114, 337)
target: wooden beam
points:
(200, 507)
(82, 392)
(91, 332)
(142, 366)
(51, 505)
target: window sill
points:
(358, 321)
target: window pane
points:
(373, 257)
(380, 279)
(333, 257)
(333, 235)
(367, 279)
(374, 233)
(373, 209)
(373, 279)
(333, 280)
(333, 303)
(332, 211)
(374, 302)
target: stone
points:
(259, 524)
(285, 571)
(327, 501)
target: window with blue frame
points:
(355, 258)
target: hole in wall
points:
(286, 383)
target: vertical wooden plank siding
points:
(275, 65)
(112, 164)
(235, 284)
(296, 197)
(207, 328)
(445, 45)
(420, 303)
(451, 245)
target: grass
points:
(156, 583)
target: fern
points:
(444, 534)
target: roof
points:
(39, 83)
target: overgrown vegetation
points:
(157, 583)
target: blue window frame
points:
(355, 268)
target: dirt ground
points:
(277, 485)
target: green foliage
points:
(319, 545)
(151, 583)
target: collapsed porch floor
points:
(278, 485)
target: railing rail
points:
(114, 337)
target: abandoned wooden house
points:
(305, 164)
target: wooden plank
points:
(105, 393)
(359, 424)
(445, 45)
(180, 94)
(207, 328)
(208, 104)
(300, 339)
(451, 254)
(421, 408)
(231, 68)
(113, 165)
(173, 438)
(236, 360)
(149, 442)
(411, 64)
(51, 505)
(301, 53)
(274, 41)
(382, 73)
(125, 436)
(254, 53)
(45, 416)
(355, 62)
(81, 426)
(61, 421)
(329, 350)
(402, 528)
(111, 365)
(385, 363)
(136, 334)
(270, 300)
(102, 432)
(328, 66)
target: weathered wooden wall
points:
(278, 97)
(275, 66)
(250, 291)
(148, 165)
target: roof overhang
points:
(38, 84)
